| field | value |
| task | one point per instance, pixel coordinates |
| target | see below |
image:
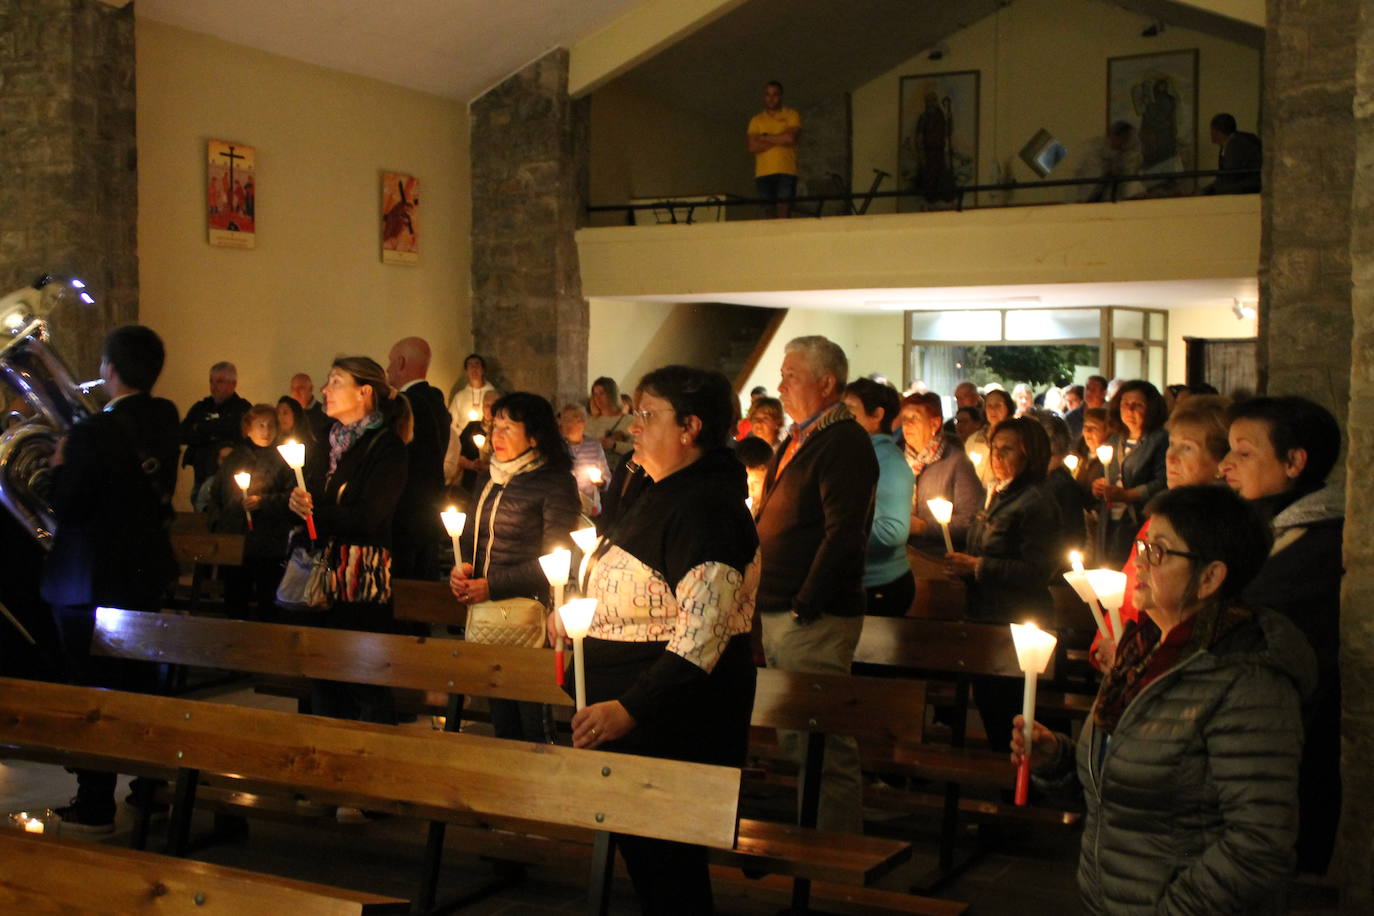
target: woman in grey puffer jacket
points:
(1189, 763)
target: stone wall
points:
(1309, 143)
(529, 181)
(1357, 602)
(69, 195)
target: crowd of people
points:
(729, 538)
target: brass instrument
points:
(53, 401)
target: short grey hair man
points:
(823, 356)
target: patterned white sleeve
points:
(715, 602)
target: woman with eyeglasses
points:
(1282, 450)
(1136, 472)
(1188, 763)
(668, 664)
(1009, 555)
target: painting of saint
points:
(937, 147)
(231, 194)
(1157, 94)
(400, 218)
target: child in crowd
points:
(589, 459)
(755, 454)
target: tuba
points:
(52, 399)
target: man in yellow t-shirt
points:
(772, 139)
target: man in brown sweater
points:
(813, 530)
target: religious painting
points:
(231, 184)
(1157, 95)
(937, 142)
(400, 218)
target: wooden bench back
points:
(426, 602)
(431, 771)
(945, 646)
(195, 547)
(418, 663)
(48, 874)
(874, 710)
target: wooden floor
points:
(382, 856)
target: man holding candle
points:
(112, 483)
(942, 469)
(813, 526)
(416, 534)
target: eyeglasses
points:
(644, 415)
(1154, 554)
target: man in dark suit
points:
(212, 423)
(113, 478)
(1240, 152)
(416, 530)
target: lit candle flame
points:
(976, 458)
(1071, 462)
(453, 521)
(1104, 454)
(594, 475)
(293, 453)
(479, 440)
(243, 479)
(1076, 560)
(474, 415)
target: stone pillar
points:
(529, 181)
(825, 148)
(1309, 145)
(1355, 849)
(68, 170)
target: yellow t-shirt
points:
(779, 160)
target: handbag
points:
(512, 622)
(305, 584)
(360, 574)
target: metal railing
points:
(958, 196)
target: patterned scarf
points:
(933, 451)
(343, 435)
(1139, 644)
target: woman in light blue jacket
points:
(887, 575)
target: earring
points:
(684, 440)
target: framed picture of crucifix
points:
(400, 218)
(231, 194)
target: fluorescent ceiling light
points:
(954, 304)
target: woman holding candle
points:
(254, 583)
(1282, 450)
(1010, 555)
(352, 512)
(1188, 763)
(469, 447)
(1062, 488)
(523, 507)
(887, 575)
(1136, 471)
(997, 406)
(469, 392)
(588, 458)
(942, 470)
(669, 669)
(292, 424)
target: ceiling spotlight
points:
(1243, 308)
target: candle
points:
(243, 479)
(1078, 579)
(594, 475)
(474, 415)
(943, 510)
(556, 566)
(479, 440)
(976, 458)
(32, 824)
(1071, 462)
(577, 619)
(1033, 650)
(453, 523)
(293, 453)
(1104, 455)
(585, 539)
(1110, 587)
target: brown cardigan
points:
(814, 521)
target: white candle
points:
(577, 619)
(33, 825)
(1033, 650)
(1110, 587)
(293, 453)
(1078, 579)
(585, 539)
(556, 566)
(453, 523)
(479, 440)
(1071, 462)
(474, 415)
(244, 480)
(594, 475)
(943, 510)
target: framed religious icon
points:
(231, 189)
(937, 142)
(1157, 95)
(400, 218)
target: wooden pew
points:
(199, 550)
(813, 703)
(430, 774)
(46, 874)
(954, 651)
